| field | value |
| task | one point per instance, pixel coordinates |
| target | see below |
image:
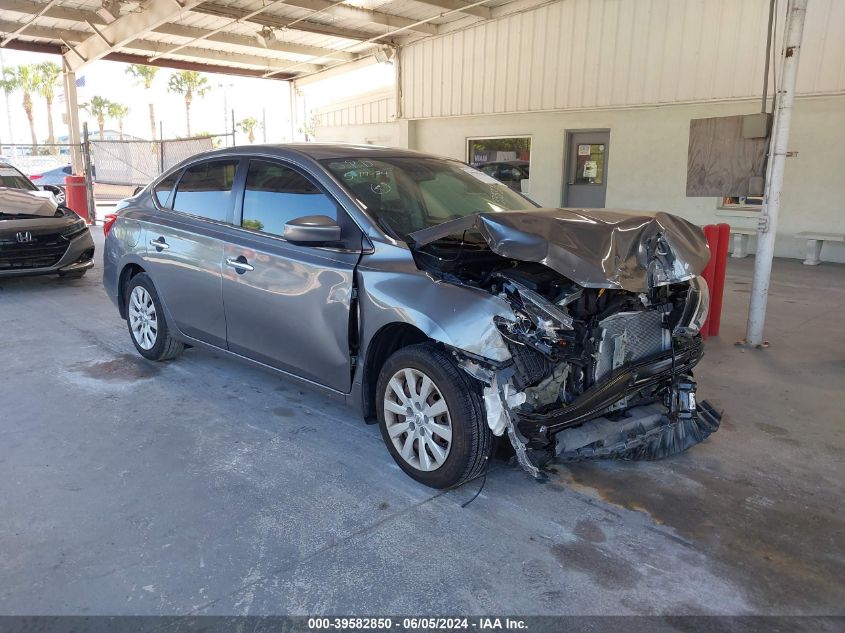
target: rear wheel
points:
(145, 318)
(431, 417)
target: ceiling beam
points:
(27, 7)
(126, 28)
(357, 14)
(191, 32)
(278, 22)
(480, 12)
(200, 55)
(11, 36)
(128, 58)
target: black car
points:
(37, 235)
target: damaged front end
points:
(601, 357)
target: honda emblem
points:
(23, 237)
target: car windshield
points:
(13, 179)
(410, 194)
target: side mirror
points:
(137, 190)
(311, 229)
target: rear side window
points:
(163, 190)
(275, 194)
(205, 189)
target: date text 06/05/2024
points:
(412, 623)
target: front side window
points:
(275, 194)
(13, 179)
(205, 189)
(410, 194)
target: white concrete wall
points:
(648, 157)
(388, 134)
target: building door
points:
(586, 169)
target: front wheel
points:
(147, 325)
(431, 417)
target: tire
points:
(445, 463)
(61, 196)
(145, 319)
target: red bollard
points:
(77, 197)
(717, 290)
(712, 235)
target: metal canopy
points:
(281, 39)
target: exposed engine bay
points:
(594, 371)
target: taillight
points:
(36, 177)
(108, 221)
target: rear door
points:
(288, 305)
(185, 247)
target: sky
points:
(249, 97)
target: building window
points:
(506, 159)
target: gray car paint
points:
(595, 248)
(391, 289)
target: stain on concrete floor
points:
(755, 533)
(123, 368)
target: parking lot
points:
(206, 486)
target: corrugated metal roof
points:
(223, 34)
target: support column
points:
(72, 105)
(768, 223)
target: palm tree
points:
(25, 79)
(118, 112)
(7, 86)
(188, 83)
(48, 79)
(248, 126)
(145, 75)
(98, 108)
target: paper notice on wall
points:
(583, 150)
(480, 175)
(591, 169)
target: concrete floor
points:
(207, 486)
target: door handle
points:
(160, 244)
(240, 264)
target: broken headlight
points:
(697, 307)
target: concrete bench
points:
(740, 240)
(814, 244)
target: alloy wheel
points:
(143, 319)
(417, 419)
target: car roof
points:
(314, 151)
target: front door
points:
(288, 305)
(586, 169)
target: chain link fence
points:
(133, 163)
(118, 167)
(35, 160)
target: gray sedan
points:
(441, 304)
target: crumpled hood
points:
(38, 203)
(595, 248)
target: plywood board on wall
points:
(720, 162)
